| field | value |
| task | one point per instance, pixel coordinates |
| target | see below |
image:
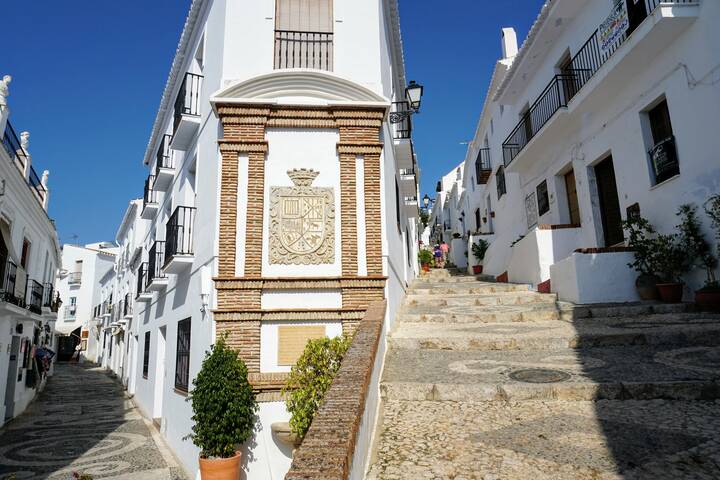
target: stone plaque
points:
(302, 222)
(292, 340)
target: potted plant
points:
(708, 297)
(479, 249)
(425, 257)
(310, 378)
(224, 409)
(639, 233)
(671, 264)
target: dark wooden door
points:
(609, 203)
(572, 197)
(636, 13)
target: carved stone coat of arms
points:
(302, 222)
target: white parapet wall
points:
(595, 278)
(532, 256)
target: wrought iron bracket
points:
(397, 117)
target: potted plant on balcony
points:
(425, 257)
(639, 239)
(224, 409)
(479, 249)
(708, 297)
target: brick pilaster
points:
(348, 214)
(373, 227)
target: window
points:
(304, 34)
(397, 203)
(182, 356)
(500, 182)
(663, 154)
(478, 224)
(25, 258)
(542, 198)
(146, 355)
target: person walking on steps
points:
(437, 253)
(445, 248)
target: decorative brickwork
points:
(329, 445)
(239, 298)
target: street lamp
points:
(413, 95)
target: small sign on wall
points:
(614, 26)
(292, 340)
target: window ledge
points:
(658, 185)
(180, 392)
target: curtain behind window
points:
(305, 15)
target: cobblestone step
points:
(455, 279)
(478, 314)
(498, 298)
(570, 311)
(659, 440)
(640, 372)
(656, 330)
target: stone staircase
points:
(494, 381)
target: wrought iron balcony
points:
(51, 298)
(483, 167)
(179, 231)
(402, 129)
(142, 294)
(294, 49)
(565, 86)
(35, 297)
(186, 120)
(74, 278)
(70, 313)
(164, 165)
(19, 156)
(127, 310)
(156, 279)
(13, 282)
(151, 199)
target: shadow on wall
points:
(80, 422)
(656, 371)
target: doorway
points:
(159, 374)
(572, 198)
(636, 14)
(609, 203)
(12, 378)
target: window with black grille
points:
(182, 357)
(663, 154)
(146, 355)
(500, 181)
(543, 199)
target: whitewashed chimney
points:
(509, 43)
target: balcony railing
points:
(150, 195)
(164, 155)
(51, 298)
(70, 312)
(127, 305)
(581, 68)
(179, 233)
(294, 49)
(141, 279)
(403, 129)
(74, 278)
(155, 262)
(13, 147)
(12, 282)
(35, 297)
(188, 99)
(483, 167)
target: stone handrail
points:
(329, 445)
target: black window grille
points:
(543, 199)
(146, 355)
(182, 357)
(500, 181)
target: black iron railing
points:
(36, 184)
(581, 68)
(127, 305)
(164, 155)
(150, 195)
(294, 49)
(482, 165)
(141, 279)
(664, 160)
(48, 295)
(155, 262)
(406, 172)
(34, 296)
(70, 312)
(403, 129)
(13, 147)
(188, 99)
(500, 182)
(179, 233)
(74, 277)
(182, 357)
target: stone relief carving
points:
(302, 222)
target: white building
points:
(29, 256)
(448, 218)
(242, 137)
(77, 284)
(606, 109)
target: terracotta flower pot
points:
(708, 300)
(647, 287)
(670, 292)
(426, 267)
(220, 468)
(477, 269)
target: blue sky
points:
(88, 76)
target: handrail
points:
(296, 49)
(179, 232)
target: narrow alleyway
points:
(82, 422)
(493, 381)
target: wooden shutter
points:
(305, 15)
(609, 203)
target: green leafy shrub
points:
(223, 403)
(640, 239)
(310, 378)
(425, 257)
(479, 249)
(697, 249)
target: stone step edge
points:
(575, 391)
